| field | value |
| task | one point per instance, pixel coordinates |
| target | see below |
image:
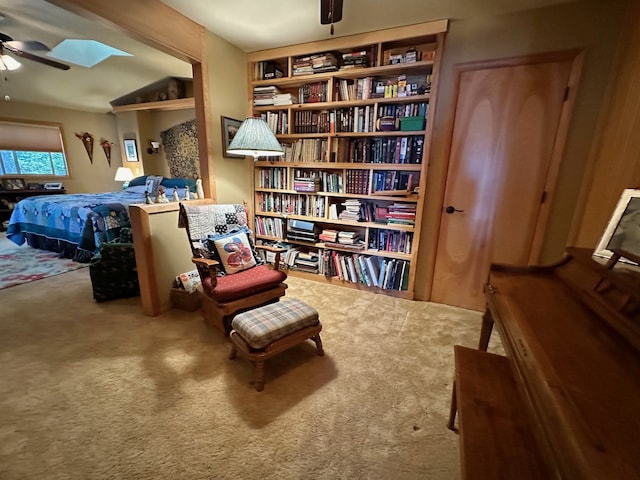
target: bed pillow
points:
(181, 183)
(233, 250)
(136, 182)
(152, 184)
(136, 189)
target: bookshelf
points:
(354, 115)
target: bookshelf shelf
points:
(366, 144)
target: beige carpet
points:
(98, 391)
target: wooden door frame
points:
(577, 60)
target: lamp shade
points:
(255, 138)
(123, 174)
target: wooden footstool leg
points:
(318, 341)
(259, 375)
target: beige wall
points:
(228, 96)
(84, 175)
(589, 25)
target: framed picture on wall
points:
(131, 150)
(623, 230)
(229, 129)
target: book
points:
(301, 224)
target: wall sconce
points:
(154, 147)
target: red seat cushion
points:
(244, 283)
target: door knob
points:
(450, 209)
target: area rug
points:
(26, 264)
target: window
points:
(32, 149)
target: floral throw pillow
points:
(234, 251)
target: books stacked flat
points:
(324, 62)
(329, 235)
(355, 60)
(264, 95)
(351, 210)
(348, 238)
(309, 185)
(302, 66)
(284, 99)
(401, 214)
(307, 261)
(302, 231)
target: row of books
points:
(305, 150)
(313, 92)
(398, 150)
(418, 109)
(393, 180)
(291, 204)
(330, 181)
(359, 119)
(278, 121)
(269, 226)
(305, 231)
(357, 89)
(357, 182)
(311, 121)
(272, 178)
(385, 273)
(390, 240)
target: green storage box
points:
(411, 123)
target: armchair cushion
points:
(243, 283)
(233, 251)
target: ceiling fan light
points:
(9, 63)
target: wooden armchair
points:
(234, 277)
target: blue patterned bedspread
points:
(85, 219)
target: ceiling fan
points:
(330, 12)
(19, 49)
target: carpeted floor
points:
(99, 391)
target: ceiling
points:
(247, 24)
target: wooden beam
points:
(149, 21)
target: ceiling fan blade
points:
(35, 58)
(33, 45)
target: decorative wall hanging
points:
(181, 149)
(106, 147)
(87, 141)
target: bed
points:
(75, 225)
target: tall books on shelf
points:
(346, 196)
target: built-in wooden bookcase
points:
(356, 134)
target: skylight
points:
(86, 53)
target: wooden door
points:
(507, 129)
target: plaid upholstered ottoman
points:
(265, 331)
